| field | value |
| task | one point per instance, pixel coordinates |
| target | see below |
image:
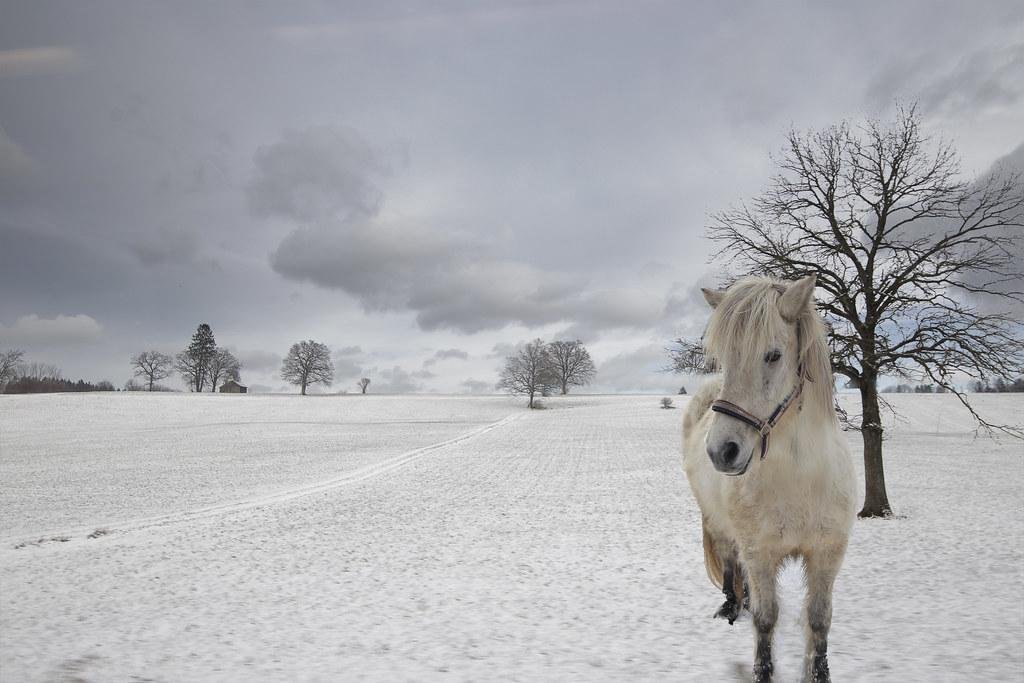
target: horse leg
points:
(821, 567)
(761, 573)
(731, 571)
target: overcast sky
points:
(424, 185)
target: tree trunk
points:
(530, 404)
(565, 388)
(151, 382)
(876, 501)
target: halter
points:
(764, 427)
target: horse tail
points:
(712, 560)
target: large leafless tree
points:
(528, 371)
(223, 366)
(308, 362)
(363, 383)
(152, 366)
(918, 268)
(571, 364)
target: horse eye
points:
(772, 356)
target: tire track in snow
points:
(362, 474)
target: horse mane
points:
(749, 313)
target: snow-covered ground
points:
(457, 538)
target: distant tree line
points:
(17, 377)
(978, 386)
(998, 386)
(52, 385)
(914, 389)
(543, 368)
(203, 365)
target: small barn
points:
(233, 387)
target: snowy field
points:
(238, 538)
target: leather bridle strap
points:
(763, 427)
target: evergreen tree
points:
(194, 362)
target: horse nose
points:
(726, 454)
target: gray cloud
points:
(345, 368)
(638, 371)
(166, 245)
(317, 174)
(349, 351)
(394, 380)
(323, 179)
(447, 283)
(445, 354)
(990, 76)
(504, 349)
(32, 330)
(255, 360)
(1004, 167)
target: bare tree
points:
(571, 364)
(688, 357)
(918, 269)
(153, 366)
(9, 361)
(37, 370)
(223, 366)
(528, 371)
(193, 364)
(363, 384)
(308, 362)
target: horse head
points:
(758, 337)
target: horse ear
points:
(713, 296)
(794, 300)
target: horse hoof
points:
(729, 610)
(819, 670)
(762, 673)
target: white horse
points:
(764, 500)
